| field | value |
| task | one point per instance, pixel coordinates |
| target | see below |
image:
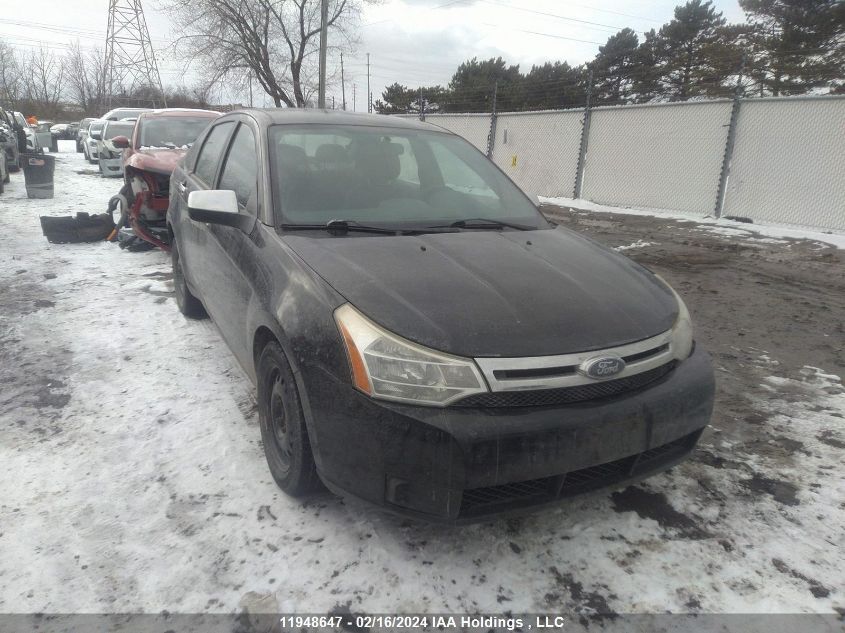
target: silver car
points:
(109, 156)
(91, 149)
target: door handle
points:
(180, 186)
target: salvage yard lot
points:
(133, 477)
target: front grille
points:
(508, 493)
(492, 499)
(565, 395)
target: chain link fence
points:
(539, 150)
(662, 156)
(776, 159)
(788, 163)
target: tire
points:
(8, 176)
(283, 432)
(3, 182)
(78, 148)
(188, 304)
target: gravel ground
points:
(133, 477)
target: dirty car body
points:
(160, 139)
(443, 366)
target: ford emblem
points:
(602, 367)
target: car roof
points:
(178, 112)
(312, 116)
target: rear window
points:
(171, 132)
(118, 129)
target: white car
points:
(91, 149)
(111, 157)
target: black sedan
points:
(419, 335)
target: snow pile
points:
(757, 232)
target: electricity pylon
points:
(130, 61)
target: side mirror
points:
(120, 142)
(96, 136)
(218, 206)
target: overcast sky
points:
(413, 42)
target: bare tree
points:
(274, 42)
(85, 82)
(42, 80)
(10, 76)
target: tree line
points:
(785, 47)
(73, 85)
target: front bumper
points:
(457, 464)
(111, 166)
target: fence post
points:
(422, 106)
(585, 133)
(491, 136)
(729, 144)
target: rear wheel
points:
(188, 304)
(283, 431)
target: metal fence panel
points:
(788, 162)
(661, 156)
(473, 127)
(539, 150)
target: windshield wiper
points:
(484, 223)
(341, 227)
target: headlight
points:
(389, 367)
(682, 337)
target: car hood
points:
(491, 293)
(160, 160)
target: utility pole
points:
(342, 82)
(369, 97)
(324, 42)
(250, 88)
(354, 88)
(332, 102)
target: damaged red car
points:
(160, 139)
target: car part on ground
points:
(72, 230)
(445, 367)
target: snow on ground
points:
(133, 478)
(761, 233)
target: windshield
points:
(171, 132)
(118, 129)
(387, 176)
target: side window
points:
(240, 173)
(212, 149)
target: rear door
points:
(201, 175)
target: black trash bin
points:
(54, 143)
(38, 174)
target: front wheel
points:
(188, 304)
(283, 431)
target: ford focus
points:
(419, 335)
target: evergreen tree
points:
(471, 88)
(646, 74)
(551, 86)
(690, 51)
(796, 45)
(615, 68)
(399, 99)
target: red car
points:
(160, 139)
